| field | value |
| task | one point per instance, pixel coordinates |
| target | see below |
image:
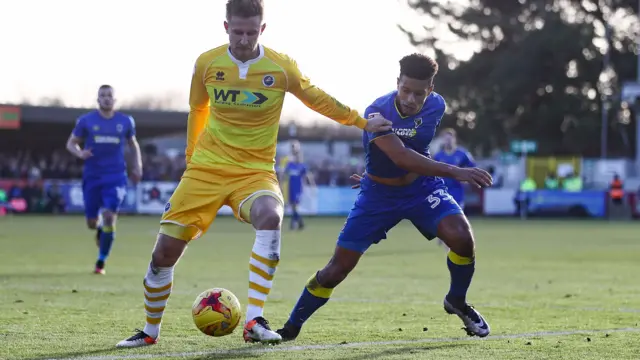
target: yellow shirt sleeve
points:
(318, 100)
(198, 106)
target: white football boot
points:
(258, 330)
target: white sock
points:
(265, 256)
(157, 289)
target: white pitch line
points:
(264, 350)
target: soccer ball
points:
(216, 312)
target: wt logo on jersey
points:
(239, 97)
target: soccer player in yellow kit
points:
(237, 93)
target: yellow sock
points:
(262, 267)
(157, 289)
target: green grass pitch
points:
(549, 289)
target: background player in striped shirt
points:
(236, 98)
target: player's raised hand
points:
(474, 176)
(377, 123)
(84, 154)
(357, 178)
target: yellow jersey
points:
(235, 108)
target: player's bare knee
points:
(267, 213)
(167, 251)
(456, 232)
(269, 220)
(108, 218)
(464, 244)
(92, 224)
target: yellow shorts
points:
(202, 192)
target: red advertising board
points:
(9, 117)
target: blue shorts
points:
(379, 208)
(458, 195)
(294, 196)
(101, 194)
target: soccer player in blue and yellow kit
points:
(297, 173)
(103, 134)
(403, 182)
(236, 98)
(454, 155)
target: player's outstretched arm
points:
(412, 161)
(137, 159)
(73, 146)
(311, 179)
(136, 172)
(198, 106)
(76, 138)
(321, 102)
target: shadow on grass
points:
(259, 352)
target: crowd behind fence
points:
(60, 165)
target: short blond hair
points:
(449, 131)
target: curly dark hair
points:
(419, 67)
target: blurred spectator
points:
(33, 194)
(572, 183)
(4, 202)
(54, 201)
(551, 182)
(158, 166)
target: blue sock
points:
(461, 269)
(106, 240)
(313, 297)
(294, 217)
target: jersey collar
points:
(250, 62)
(395, 105)
(453, 151)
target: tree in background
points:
(538, 70)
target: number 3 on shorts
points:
(438, 196)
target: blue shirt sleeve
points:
(468, 160)
(436, 112)
(80, 130)
(132, 128)
(368, 113)
(438, 156)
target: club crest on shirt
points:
(268, 80)
(417, 122)
(119, 128)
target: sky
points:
(67, 48)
